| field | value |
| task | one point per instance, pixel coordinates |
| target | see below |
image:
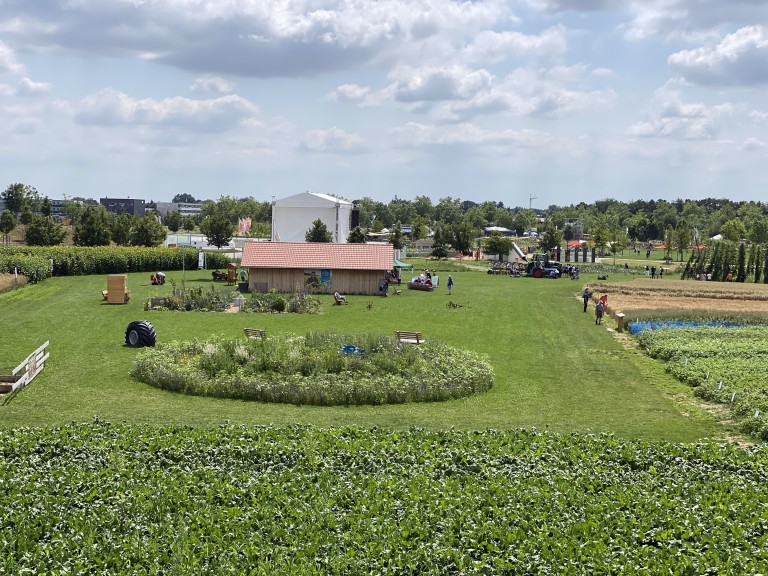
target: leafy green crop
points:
(726, 365)
(118, 499)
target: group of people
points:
(572, 271)
(652, 272)
(157, 278)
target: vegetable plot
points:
(725, 365)
(121, 499)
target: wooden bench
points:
(255, 333)
(409, 337)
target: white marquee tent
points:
(293, 216)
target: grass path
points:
(554, 368)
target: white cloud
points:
(675, 119)
(8, 62)
(740, 59)
(248, 38)
(332, 140)
(110, 107)
(435, 84)
(455, 93)
(754, 145)
(555, 6)
(415, 135)
(493, 46)
(349, 93)
(27, 87)
(211, 84)
(692, 19)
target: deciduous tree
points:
(7, 224)
(94, 228)
(147, 231)
(498, 245)
(44, 231)
(217, 229)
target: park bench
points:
(255, 333)
(405, 337)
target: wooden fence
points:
(25, 372)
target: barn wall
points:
(288, 280)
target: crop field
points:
(128, 499)
(724, 365)
(645, 298)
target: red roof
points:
(576, 243)
(304, 255)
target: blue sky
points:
(564, 100)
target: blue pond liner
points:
(638, 327)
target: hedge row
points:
(39, 262)
(35, 268)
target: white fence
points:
(25, 372)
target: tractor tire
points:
(537, 273)
(140, 333)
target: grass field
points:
(554, 368)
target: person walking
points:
(450, 284)
(585, 297)
(599, 312)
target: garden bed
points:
(314, 370)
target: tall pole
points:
(531, 198)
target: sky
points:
(525, 102)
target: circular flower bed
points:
(318, 369)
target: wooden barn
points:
(317, 267)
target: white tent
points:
(292, 217)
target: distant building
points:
(57, 210)
(186, 209)
(488, 230)
(293, 216)
(132, 206)
(577, 227)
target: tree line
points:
(450, 222)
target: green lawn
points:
(554, 368)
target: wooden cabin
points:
(316, 267)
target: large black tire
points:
(537, 273)
(140, 333)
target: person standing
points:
(450, 284)
(585, 297)
(653, 272)
(599, 312)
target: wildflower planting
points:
(102, 498)
(725, 365)
(318, 369)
